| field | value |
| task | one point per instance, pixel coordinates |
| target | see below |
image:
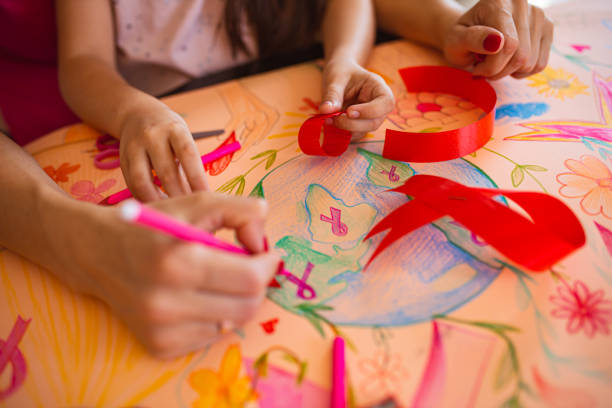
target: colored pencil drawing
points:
(590, 180)
(557, 83)
(521, 110)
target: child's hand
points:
(364, 95)
(174, 296)
(514, 36)
(159, 139)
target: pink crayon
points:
(132, 211)
(338, 396)
(207, 158)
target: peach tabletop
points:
(441, 321)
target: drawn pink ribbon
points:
(10, 354)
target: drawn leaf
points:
(316, 323)
(302, 372)
(517, 175)
(291, 358)
(498, 327)
(261, 365)
(229, 185)
(241, 185)
(534, 167)
(504, 372)
(262, 154)
(257, 191)
(271, 160)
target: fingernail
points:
(265, 244)
(353, 114)
(492, 42)
(479, 57)
(281, 266)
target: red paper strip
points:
(450, 144)
(335, 140)
(554, 233)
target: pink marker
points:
(207, 158)
(132, 211)
(338, 396)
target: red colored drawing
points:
(394, 178)
(583, 309)
(338, 227)
(309, 104)
(61, 173)
(269, 326)
(606, 235)
(10, 354)
(217, 167)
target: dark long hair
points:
(279, 25)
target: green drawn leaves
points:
(228, 187)
(518, 172)
(270, 156)
(505, 372)
(261, 364)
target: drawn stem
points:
(516, 164)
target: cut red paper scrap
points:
(554, 233)
(335, 140)
(217, 167)
(449, 144)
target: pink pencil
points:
(133, 211)
(207, 158)
(338, 396)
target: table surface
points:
(439, 320)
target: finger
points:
(165, 166)
(478, 39)
(493, 64)
(186, 152)
(357, 125)
(378, 107)
(138, 177)
(522, 56)
(214, 271)
(176, 340)
(333, 93)
(545, 45)
(211, 212)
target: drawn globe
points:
(320, 211)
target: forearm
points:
(425, 21)
(95, 91)
(27, 193)
(348, 30)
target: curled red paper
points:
(335, 140)
(449, 144)
(552, 233)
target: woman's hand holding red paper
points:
(500, 37)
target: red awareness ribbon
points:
(410, 146)
(554, 233)
(449, 144)
(335, 140)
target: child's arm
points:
(151, 134)
(172, 295)
(514, 36)
(348, 36)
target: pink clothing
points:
(163, 44)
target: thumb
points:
(333, 95)
(479, 39)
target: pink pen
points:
(132, 211)
(338, 396)
(207, 158)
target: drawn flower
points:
(591, 180)
(384, 374)
(85, 190)
(557, 83)
(583, 309)
(423, 108)
(61, 173)
(225, 388)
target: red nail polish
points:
(492, 42)
(273, 283)
(479, 58)
(265, 244)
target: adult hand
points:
(500, 37)
(174, 296)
